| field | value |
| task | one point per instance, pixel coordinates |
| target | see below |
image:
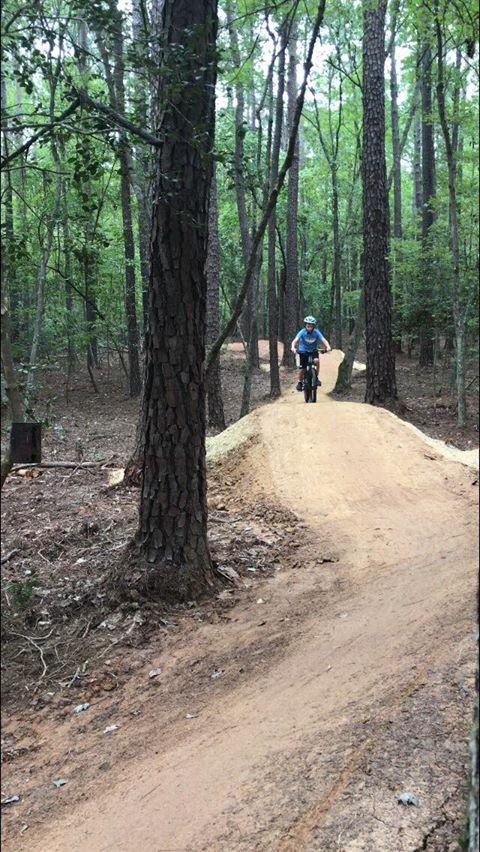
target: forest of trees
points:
(174, 174)
(177, 174)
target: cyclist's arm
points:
(294, 343)
(325, 342)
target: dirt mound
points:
(292, 714)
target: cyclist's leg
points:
(316, 361)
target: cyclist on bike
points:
(307, 341)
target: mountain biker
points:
(307, 341)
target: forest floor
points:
(289, 712)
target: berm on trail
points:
(297, 721)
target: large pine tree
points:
(381, 384)
(172, 534)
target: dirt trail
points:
(311, 752)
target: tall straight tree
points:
(291, 284)
(172, 534)
(116, 88)
(396, 150)
(428, 198)
(381, 383)
(216, 415)
(273, 301)
(239, 158)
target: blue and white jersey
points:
(308, 340)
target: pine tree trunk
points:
(337, 289)
(417, 165)
(273, 301)
(172, 535)
(381, 383)
(141, 29)
(68, 281)
(240, 129)
(216, 415)
(291, 283)
(129, 252)
(396, 151)
(41, 275)
(125, 195)
(460, 312)
(8, 243)
(428, 197)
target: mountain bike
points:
(310, 378)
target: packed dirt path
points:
(369, 692)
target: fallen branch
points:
(9, 556)
(57, 464)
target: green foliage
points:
(22, 591)
(43, 64)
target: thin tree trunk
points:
(129, 243)
(12, 389)
(129, 250)
(417, 165)
(291, 284)
(252, 348)
(397, 163)
(88, 254)
(11, 386)
(240, 130)
(216, 415)
(381, 384)
(40, 288)
(337, 291)
(460, 312)
(8, 243)
(273, 301)
(428, 197)
(344, 376)
(69, 317)
(142, 185)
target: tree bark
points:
(8, 243)
(428, 197)
(142, 185)
(125, 195)
(381, 383)
(216, 415)
(396, 150)
(240, 131)
(344, 376)
(337, 291)
(417, 165)
(460, 312)
(11, 386)
(291, 285)
(172, 534)
(273, 301)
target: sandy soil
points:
(348, 681)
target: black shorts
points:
(304, 358)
